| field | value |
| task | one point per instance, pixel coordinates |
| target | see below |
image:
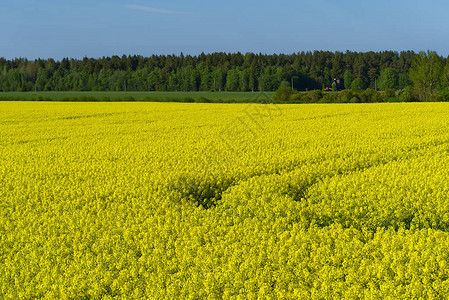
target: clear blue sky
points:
(95, 28)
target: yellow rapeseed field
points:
(224, 201)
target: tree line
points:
(204, 72)
(223, 72)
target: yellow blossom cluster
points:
(224, 201)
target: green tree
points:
(278, 76)
(41, 79)
(252, 81)
(233, 80)
(263, 82)
(425, 72)
(404, 81)
(15, 80)
(357, 84)
(360, 68)
(337, 66)
(244, 80)
(388, 79)
(269, 79)
(205, 76)
(348, 79)
(219, 79)
(445, 77)
(173, 81)
(408, 94)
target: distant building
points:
(338, 84)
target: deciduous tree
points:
(425, 72)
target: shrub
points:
(438, 97)
(314, 96)
(445, 95)
(283, 93)
(388, 93)
(408, 95)
(346, 95)
(370, 95)
(296, 98)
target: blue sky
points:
(95, 28)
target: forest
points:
(204, 72)
(303, 71)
